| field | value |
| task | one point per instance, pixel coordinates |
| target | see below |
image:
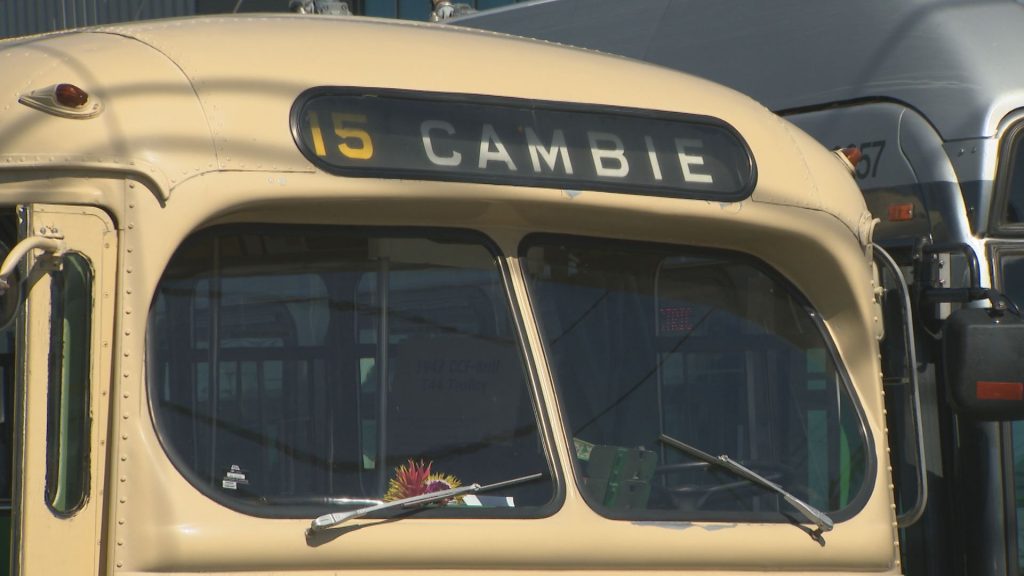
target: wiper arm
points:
(328, 521)
(815, 516)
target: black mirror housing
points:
(983, 352)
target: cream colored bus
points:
(280, 299)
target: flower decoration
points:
(415, 478)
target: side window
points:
(293, 369)
(1009, 263)
(653, 343)
(68, 422)
(1011, 176)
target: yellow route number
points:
(356, 143)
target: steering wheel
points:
(697, 496)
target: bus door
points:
(1006, 253)
(64, 334)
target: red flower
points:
(415, 478)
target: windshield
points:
(706, 347)
(293, 369)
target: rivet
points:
(127, 310)
(129, 250)
(120, 564)
(124, 436)
(124, 478)
(120, 542)
(131, 185)
(123, 500)
(131, 225)
(120, 521)
(124, 416)
(128, 332)
(124, 457)
(128, 270)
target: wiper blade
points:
(328, 521)
(812, 514)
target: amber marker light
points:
(852, 154)
(65, 100)
(901, 212)
(71, 96)
(850, 157)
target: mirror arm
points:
(911, 516)
(54, 246)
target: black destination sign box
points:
(432, 136)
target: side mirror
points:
(983, 351)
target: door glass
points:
(67, 423)
(1018, 487)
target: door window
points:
(68, 422)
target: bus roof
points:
(956, 61)
(186, 97)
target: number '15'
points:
(356, 143)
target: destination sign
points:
(417, 135)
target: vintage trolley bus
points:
(271, 307)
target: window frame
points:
(1010, 146)
(860, 498)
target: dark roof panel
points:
(959, 62)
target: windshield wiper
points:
(815, 516)
(328, 521)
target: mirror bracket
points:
(51, 242)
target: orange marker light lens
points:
(1000, 390)
(901, 212)
(71, 96)
(852, 154)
